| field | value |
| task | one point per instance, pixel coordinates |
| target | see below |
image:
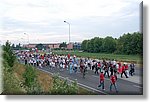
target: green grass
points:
(11, 82)
(128, 58)
(83, 91)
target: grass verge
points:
(45, 80)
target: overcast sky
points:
(43, 20)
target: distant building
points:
(51, 45)
(70, 46)
(77, 45)
(30, 46)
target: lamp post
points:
(69, 29)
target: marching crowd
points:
(75, 64)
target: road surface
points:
(127, 86)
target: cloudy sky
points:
(43, 20)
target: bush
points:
(30, 81)
(62, 87)
(8, 56)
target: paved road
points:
(125, 85)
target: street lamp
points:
(69, 29)
(28, 37)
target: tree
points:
(40, 46)
(98, 44)
(18, 46)
(88, 46)
(83, 45)
(63, 45)
(11, 83)
(13, 46)
(91, 45)
(130, 43)
(137, 43)
(8, 55)
(109, 45)
(30, 81)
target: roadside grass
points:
(122, 58)
(83, 91)
(12, 82)
(45, 80)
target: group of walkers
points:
(74, 64)
(113, 80)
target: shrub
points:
(63, 87)
(8, 56)
(30, 81)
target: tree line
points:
(130, 43)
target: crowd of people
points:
(75, 64)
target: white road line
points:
(92, 88)
(77, 83)
(137, 86)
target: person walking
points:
(119, 69)
(123, 71)
(126, 69)
(113, 83)
(81, 65)
(96, 69)
(99, 66)
(111, 69)
(132, 69)
(71, 66)
(106, 69)
(101, 80)
(84, 70)
(26, 61)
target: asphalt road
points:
(91, 82)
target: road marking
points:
(92, 88)
(137, 86)
(82, 85)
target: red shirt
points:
(119, 65)
(99, 65)
(123, 68)
(68, 56)
(101, 77)
(126, 67)
(43, 57)
(113, 79)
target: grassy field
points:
(127, 58)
